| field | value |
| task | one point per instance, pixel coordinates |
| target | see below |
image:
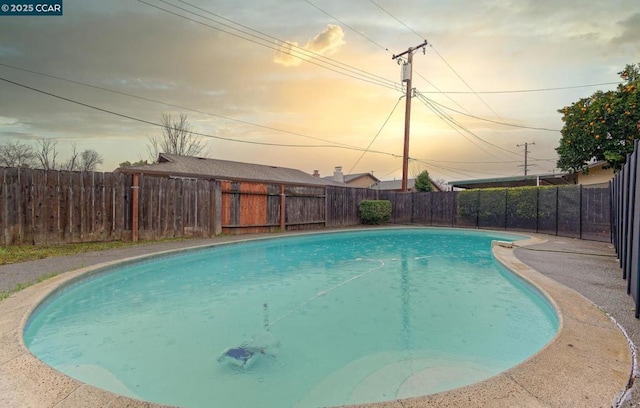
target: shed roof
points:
(173, 165)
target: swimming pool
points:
(347, 317)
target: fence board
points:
(38, 209)
(273, 204)
(305, 207)
(4, 201)
(11, 207)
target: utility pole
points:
(406, 77)
(526, 155)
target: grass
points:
(20, 286)
(22, 253)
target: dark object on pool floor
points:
(241, 354)
(262, 343)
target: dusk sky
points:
(311, 84)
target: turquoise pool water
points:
(341, 318)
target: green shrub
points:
(489, 203)
(375, 211)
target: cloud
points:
(5, 121)
(630, 31)
(325, 43)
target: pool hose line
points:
(268, 325)
(242, 355)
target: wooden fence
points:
(54, 207)
(169, 208)
(256, 207)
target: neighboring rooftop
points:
(598, 174)
(173, 165)
(517, 181)
(393, 185)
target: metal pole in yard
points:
(134, 207)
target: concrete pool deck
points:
(588, 364)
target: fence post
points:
(19, 207)
(625, 218)
(506, 207)
(134, 207)
(217, 207)
(537, 209)
(430, 209)
(632, 165)
(580, 209)
(613, 212)
(413, 206)
(5, 208)
(557, 207)
(282, 208)
(455, 210)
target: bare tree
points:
(73, 162)
(176, 138)
(47, 153)
(90, 159)
(16, 155)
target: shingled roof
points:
(173, 165)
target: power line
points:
(313, 58)
(561, 88)
(172, 105)
(441, 92)
(441, 57)
(347, 25)
(129, 117)
(455, 170)
(492, 121)
(446, 93)
(455, 125)
(298, 49)
(195, 133)
(465, 82)
(393, 17)
(376, 136)
(448, 118)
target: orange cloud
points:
(327, 42)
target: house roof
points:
(173, 165)
(393, 185)
(351, 177)
(517, 181)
